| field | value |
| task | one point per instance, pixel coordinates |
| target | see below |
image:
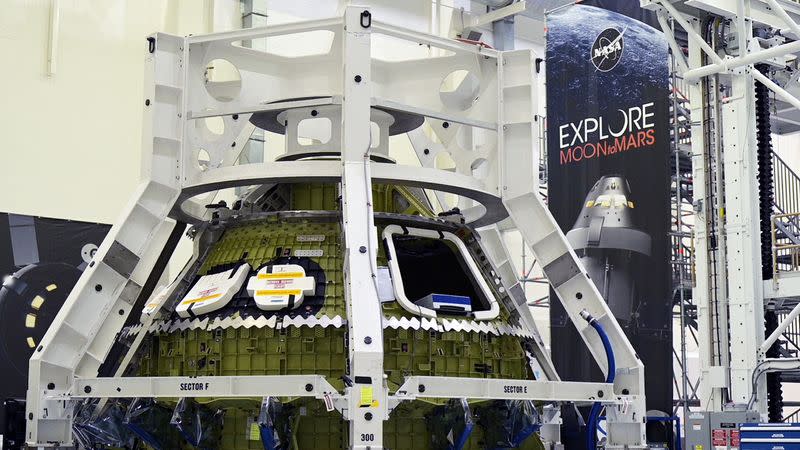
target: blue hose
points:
(594, 413)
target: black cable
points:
(765, 171)
(774, 387)
(765, 204)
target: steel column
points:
(360, 240)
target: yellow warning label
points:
(255, 432)
(201, 299)
(366, 397)
(279, 292)
(272, 276)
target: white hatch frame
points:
(397, 277)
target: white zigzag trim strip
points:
(496, 327)
(312, 321)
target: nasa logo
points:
(607, 49)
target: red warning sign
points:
(719, 437)
(734, 438)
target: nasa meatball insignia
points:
(607, 49)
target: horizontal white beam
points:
(272, 30)
(750, 58)
(760, 11)
(460, 118)
(500, 389)
(262, 107)
(453, 45)
(176, 387)
(786, 285)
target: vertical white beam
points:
(360, 238)
(52, 43)
(745, 292)
(712, 397)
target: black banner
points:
(609, 183)
(41, 259)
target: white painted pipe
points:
(750, 58)
(781, 328)
(677, 53)
(52, 42)
(785, 16)
(690, 31)
(781, 92)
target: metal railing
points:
(785, 243)
(793, 416)
(786, 186)
(681, 243)
(785, 226)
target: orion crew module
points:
(340, 300)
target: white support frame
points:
(745, 292)
(66, 362)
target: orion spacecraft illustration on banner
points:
(609, 243)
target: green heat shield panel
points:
(298, 342)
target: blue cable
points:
(594, 413)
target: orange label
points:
(200, 299)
